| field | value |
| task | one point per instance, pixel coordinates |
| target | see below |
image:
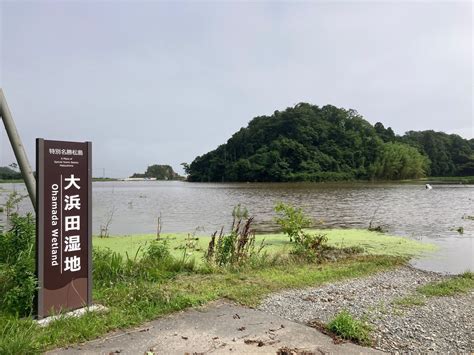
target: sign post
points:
(64, 225)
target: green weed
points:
(349, 328)
(458, 284)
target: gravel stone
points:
(442, 324)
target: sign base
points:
(74, 314)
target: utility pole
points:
(18, 149)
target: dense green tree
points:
(400, 161)
(304, 142)
(386, 134)
(450, 154)
(311, 143)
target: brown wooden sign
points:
(64, 225)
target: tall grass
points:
(17, 267)
(237, 247)
(156, 264)
(17, 336)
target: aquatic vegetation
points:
(104, 228)
(372, 243)
(378, 243)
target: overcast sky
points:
(162, 82)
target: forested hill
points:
(159, 172)
(311, 143)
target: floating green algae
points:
(378, 243)
(373, 243)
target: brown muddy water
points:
(402, 209)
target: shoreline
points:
(439, 180)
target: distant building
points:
(138, 179)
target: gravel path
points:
(442, 324)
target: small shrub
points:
(157, 252)
(349, 328)
(310, 246)
(291, 220)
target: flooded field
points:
(402, 209)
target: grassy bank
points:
(132, 302)
(140, 279)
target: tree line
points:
(160, 172)
(311, 143)
(9, 172)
